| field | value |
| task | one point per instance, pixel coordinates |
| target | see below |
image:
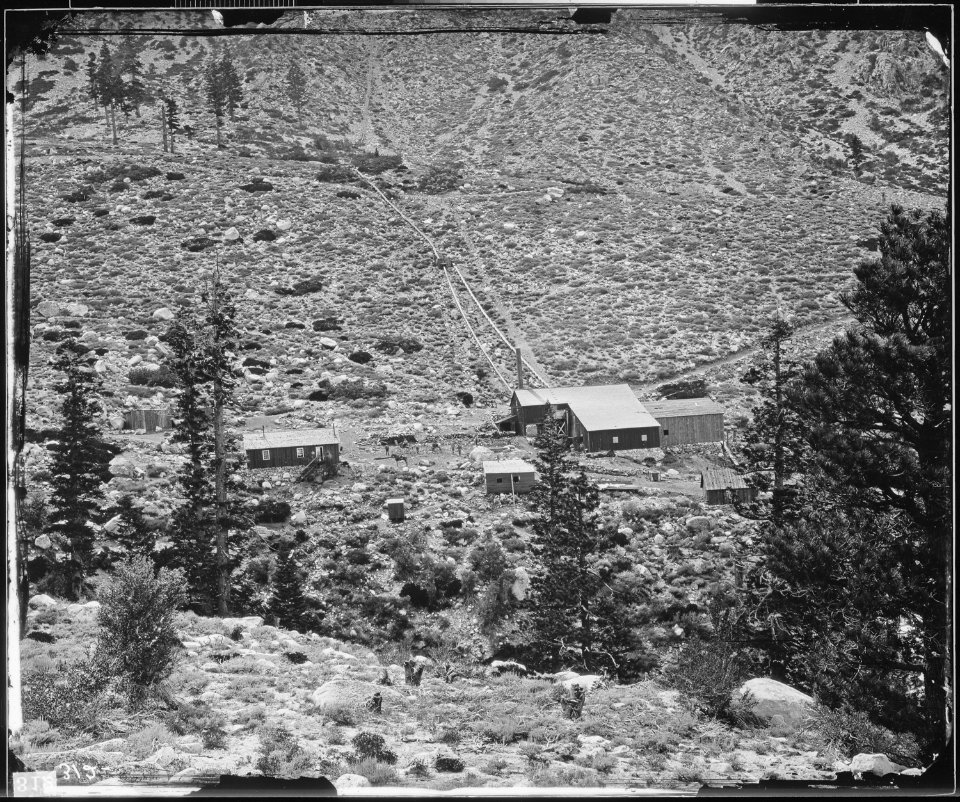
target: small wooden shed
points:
(292, 447)
(687, 420)
(395, 509)
(151, 419)
(509, 476)
(720, 485)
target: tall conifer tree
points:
(80, 458)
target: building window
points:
(500, 481)
(265, 454)
(516, 478)
(616, 440)
(666, 431)
(299, 453)
(643, 438)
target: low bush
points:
(370, 745)
(137, 633)
(376, 772)
(71, 697)
(851, 732)
(280, 755)
(145, 377)
(448, 763)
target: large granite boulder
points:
(775, 702)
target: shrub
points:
(852, 732)
(138, 638)
(707, 672)
(449, 763)
(280, 755)
(376, 772)
(372, 746)
(145, 377)
(375, 163)
(335, 173)
(343, 715)
(70, 697)
(442, 177)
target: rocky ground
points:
(495, 731)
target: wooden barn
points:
(293, 448)
(604, 417)
(687, 420)
(509, 476)
(721, 484)
(147, 418)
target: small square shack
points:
(297, 447)
(509, 476)
(721, 484)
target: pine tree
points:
(552, 464)
(79, 467)
(203, 343)
(93, 79)
(878, 406)
(288, 605)
(775, 437)
(566, 601)
(130, 71)
(223, 89)
(220, 356)
(171, 118)
(296, 83)
(193, 522)
(133, 533)
(109, 87)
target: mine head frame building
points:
(610, 417)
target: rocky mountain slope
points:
(237, 678)
(631, 206)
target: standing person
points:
(387, 447)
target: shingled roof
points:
(286, 438)
(721, 479)
(598, 407)
(683, 406)
(507, 466)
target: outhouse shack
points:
(721, 485)
(150, 419)
(509, 476)
(603, 417)
(281, 448)
(685, 421)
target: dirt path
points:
(737, 356)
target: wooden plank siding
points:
(689, 429)
(745, 494)
(500, 482)
(148, 419)
(283, 456)
(622, 439)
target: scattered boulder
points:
(352, 693)
(284, 225)
(257, 185)
(351, 781)
(329, 323)
(231, 234)
(480, 454)
(175, 176)
(48, 309)
(163, 313)
(121, 466)
(771, 698)
(144, 219)
(41, 601)
(50, 236)
(61, 222)
(878, 764)
(264, 235)
(326, 342)
(360, 357)
(197, 244)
